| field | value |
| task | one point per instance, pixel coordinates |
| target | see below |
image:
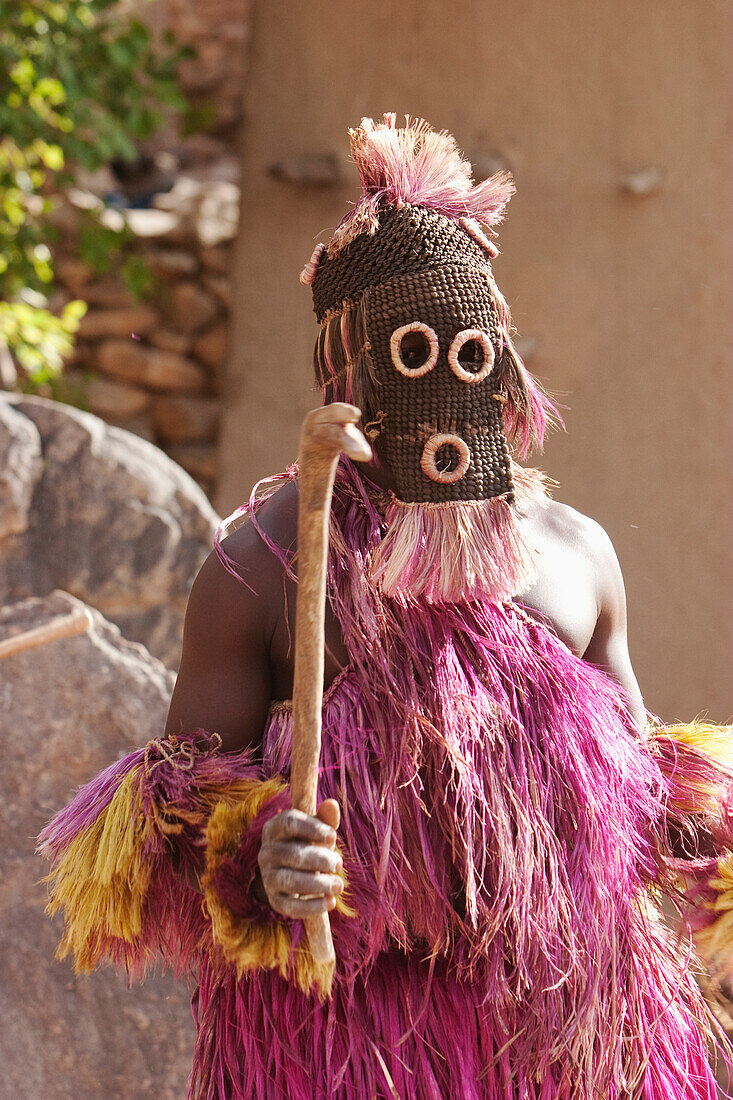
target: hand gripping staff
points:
(326, 433)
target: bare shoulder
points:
(278, 518)
(577, 532)
(255, 593)
(607, 649)
(568, 523)
(225, 679)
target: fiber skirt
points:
(405, 1031)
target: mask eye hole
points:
(471, 355)
(414, 349)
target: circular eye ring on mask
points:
(430, 450)
(394, 348)
(483, 340)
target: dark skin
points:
(238, 654)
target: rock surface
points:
(172, 263)
(20, 469)
(216, 258)
(170, 340)
(200, 460)
(113, 400)
(109, 293)
(212, 347)
(70, 707)
(102, 514)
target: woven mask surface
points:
(409, 239)
(418, 409)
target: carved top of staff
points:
(326, 433)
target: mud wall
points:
(616, 259)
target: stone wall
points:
(155, 366)
(219, 29)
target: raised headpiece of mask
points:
(414, 331)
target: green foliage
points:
(198, 117)
(79, 85)
(38, 339)
(100, 245)
(137, 276)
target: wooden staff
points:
(326, 432)
(78, 621)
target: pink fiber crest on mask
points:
(416, 165)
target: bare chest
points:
(563, 597)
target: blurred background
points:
(616, 261)
(210, 156)
(166, 167)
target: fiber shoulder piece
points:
(127, 851)
(249, 933)
(697, 762)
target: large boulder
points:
(70, 706)
(100, 513)
(20, 469)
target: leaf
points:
(73, 312)
(79, 85)
(121, 54)
(139, 34)
(137, 276)
(23, 73)
(51, 89)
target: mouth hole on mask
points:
(445, 458)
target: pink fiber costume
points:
(505, 832)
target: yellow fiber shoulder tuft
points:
(714, 741)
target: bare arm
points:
(608, 648)
(223, 684)
(224, 687)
